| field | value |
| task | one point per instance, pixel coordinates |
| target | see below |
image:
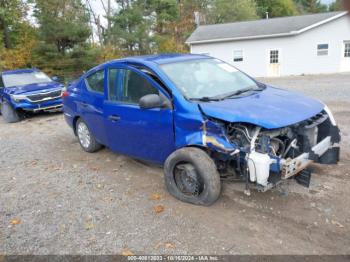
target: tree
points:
(165, 12)
(336, 6)
(62, 23)
(225, 11)
(63, 33)
(131, 28)
(20, 56)
(11, 13)
(276, 8)
(312, 6)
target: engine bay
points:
(267, 156)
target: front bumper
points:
(291, 167)
(49, 108)
(51, 105)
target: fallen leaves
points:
(158, 209)
(127, 252)
(156, 196)
(167, 245)
(336, 223)
(89, 226)
(170, 245)
(34, 162)
(15, 221)
(95, 168)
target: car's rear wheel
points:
(9, 114)
(86, 139)
(191, 176)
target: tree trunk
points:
(6, 33)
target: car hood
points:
(33, 88)
(270, 108)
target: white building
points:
(308, 44)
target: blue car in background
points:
(203, 120)
(28, 90)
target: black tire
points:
(90, 147)
(207, 180)
(9, 114)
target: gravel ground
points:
(57, 199)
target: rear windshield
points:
(12, 80)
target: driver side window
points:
(135, 86)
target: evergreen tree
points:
(336, 6)
(11, 14)
(63, 32)
(226, 11)
(62, 23)
(312, 6)
(276, 8)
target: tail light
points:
(64, 94)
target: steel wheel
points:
(188, 180)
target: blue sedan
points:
(203, 120)
(28, 90)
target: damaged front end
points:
(265, 157)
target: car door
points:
(90, 104)
(146, 134)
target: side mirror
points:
(55, 78)
(150, 101)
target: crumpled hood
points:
(33, 88)
(270, 108)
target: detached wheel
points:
(191, 176)
(9, 114)
(86, 139)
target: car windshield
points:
(21, 79)
(208, 78)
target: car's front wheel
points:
(86, 139)
(9, 114)
(191, 176)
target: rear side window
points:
(135, 86)
(95, 82)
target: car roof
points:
(159, 59)
(19, 71)
(150, 61)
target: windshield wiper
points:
(242, 91)
(205, 99)
(228, 95)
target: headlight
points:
(18, 98)
(331, 117)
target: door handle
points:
(114, 118)
(84, 104)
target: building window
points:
(347, 49)
(238, 56)
(322, 49)
(274, 59)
